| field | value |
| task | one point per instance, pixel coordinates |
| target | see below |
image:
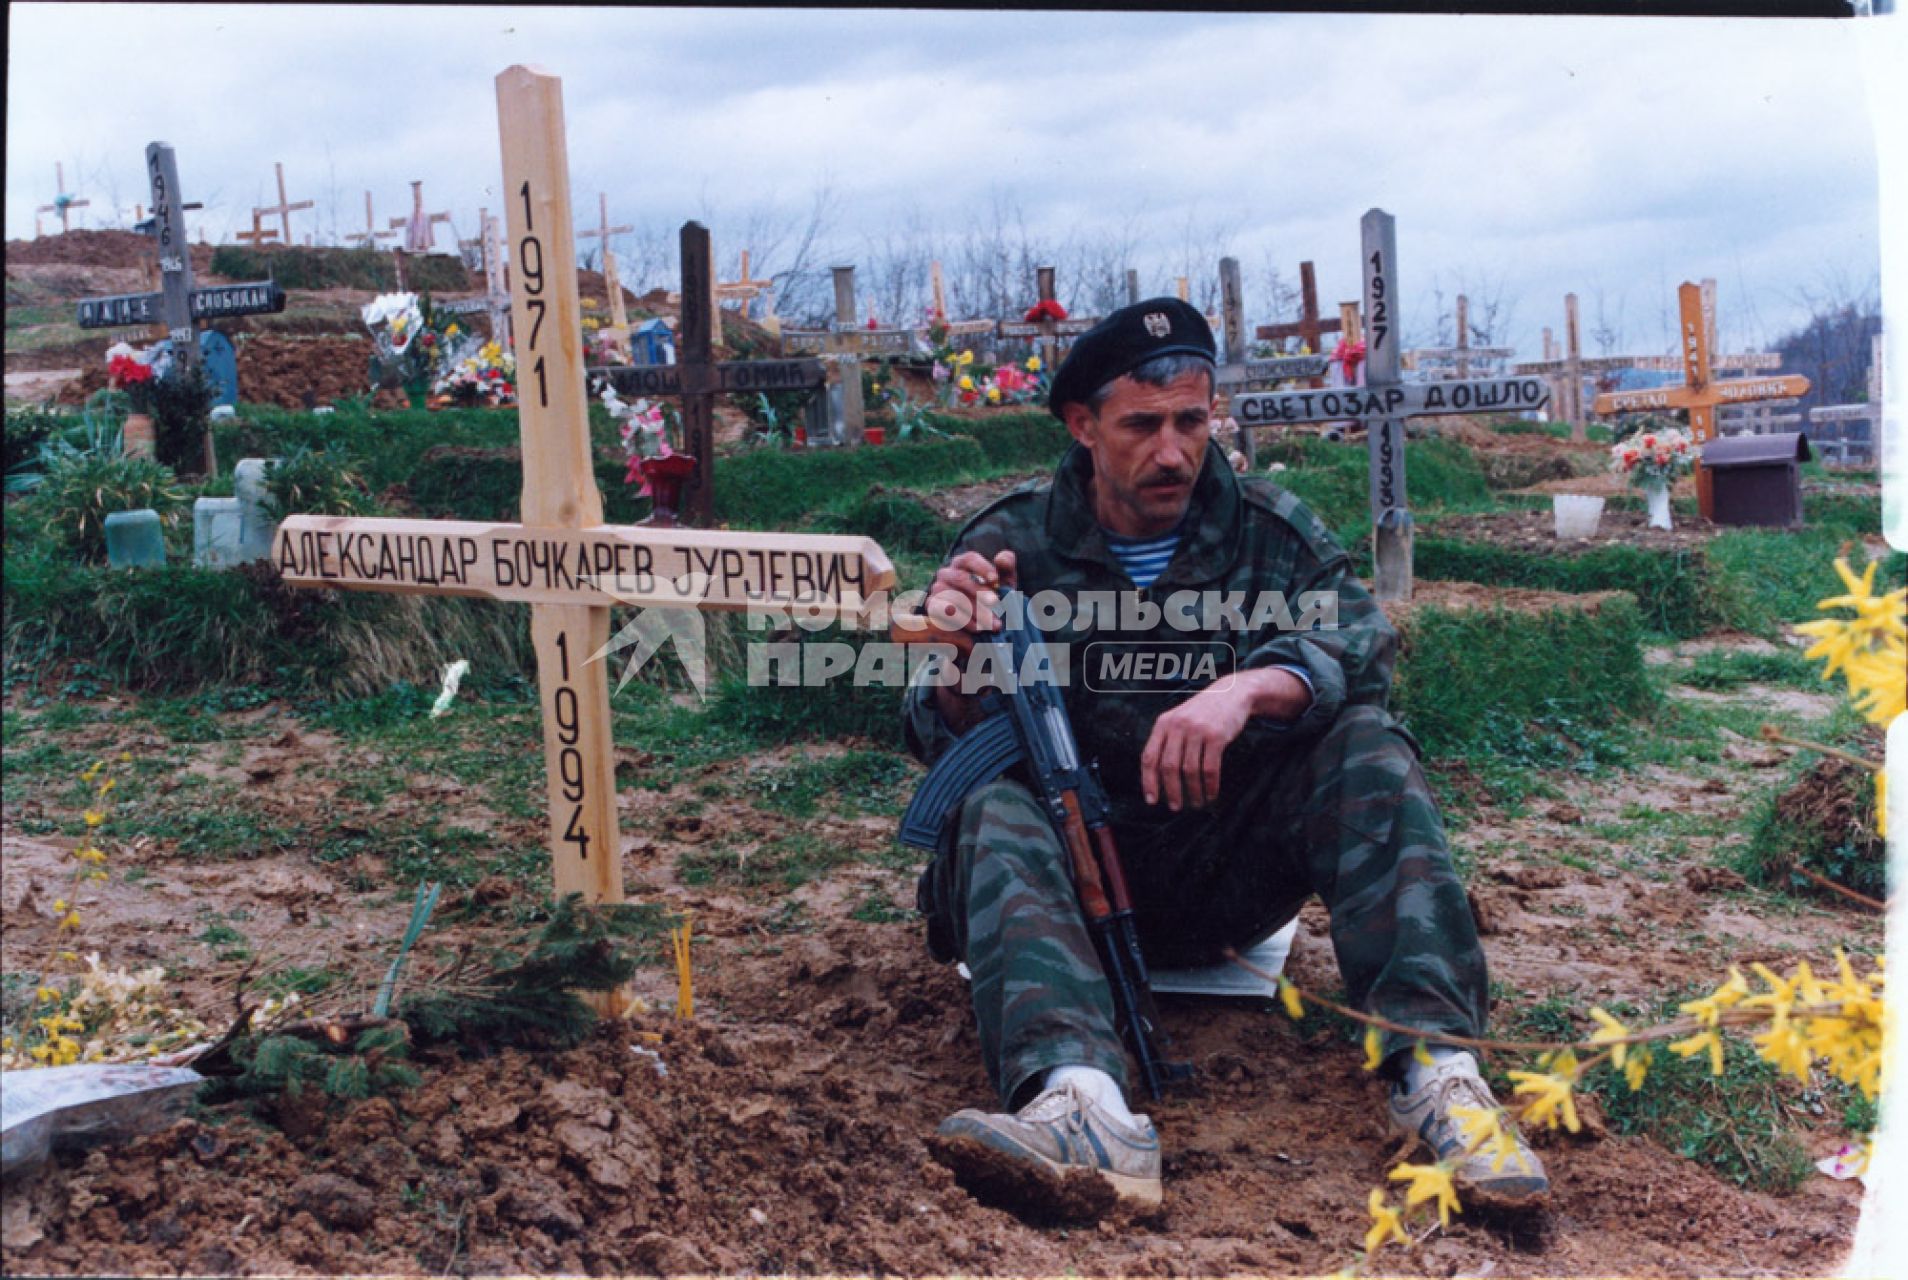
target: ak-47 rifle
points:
(1026, 724)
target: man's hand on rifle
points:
(963, 597)
(1182, 757)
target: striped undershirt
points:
(1144, 559)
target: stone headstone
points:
(215, 533)
(134, 539)
(257, 521)
(221, 365)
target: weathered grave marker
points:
(1383, 404)
(562, 560)
(1309, 329)
(177, 304)
(260, 234)
(1848, 432)
(1132, 286)
(1455, 361)
(418, 236)
(284, 208)
(955, 328)
(63, 202)
(1700, 396)
(369, 237)
(698, 379)
(612, 283)
(1047, 330)
(846, 339)
(745, 291)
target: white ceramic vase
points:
(1659, 498)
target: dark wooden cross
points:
(260, 234)
(177, 305)
(1309, 328)
(698, 379)
(1383, 404)
(1047, 330)
(1700, 395)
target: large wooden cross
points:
(1700, 395)
(745, 290)
(698, 378)
(284, 208)
(177, 305)
(562, 559)
(62, 202)
(1309, 329)
(1383, 404)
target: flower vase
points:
(801, 437)
(874, 435)
(666, 476)
(135, 436)
(418, 393)
(1659, 499)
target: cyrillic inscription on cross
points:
(1699, 396)
(562, 559)
(177, 305)
(1383, 404)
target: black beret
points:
(1123, 342)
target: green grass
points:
(1720, 670)
(783, 862)
(874, 782)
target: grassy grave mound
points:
(176, 628)
(302, 267)
(1332, 480)
(1823, 821)
(1480, 666)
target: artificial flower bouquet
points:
(1653, 457)
(485, 376)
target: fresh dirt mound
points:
(290, 371)
(1535, 532)
(95, 249)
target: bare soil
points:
(788, 1128)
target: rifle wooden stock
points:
(1086, 867)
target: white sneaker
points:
(1062, 1130)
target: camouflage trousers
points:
(1347, 816)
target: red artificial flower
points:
(873, 323)
(1045, 309)
(124, 371)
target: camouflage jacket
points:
(1243, 537)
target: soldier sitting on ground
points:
(1234, 800)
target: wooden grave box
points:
(1757, 479)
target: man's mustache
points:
(1167, 480)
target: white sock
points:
(1095, 1084)
(1416, 1073)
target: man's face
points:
(1148, 444)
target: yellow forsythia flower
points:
(1422, 1056)
(1289, 997)
(1696, 1044)
(1610, 1030)
(1636, 1068)
(1372, 1056)
(1385, 1226)
(1429, 1181)
(1551, 1093)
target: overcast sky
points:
(1522, 157)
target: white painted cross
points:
(561, 559)
(1383, 404)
